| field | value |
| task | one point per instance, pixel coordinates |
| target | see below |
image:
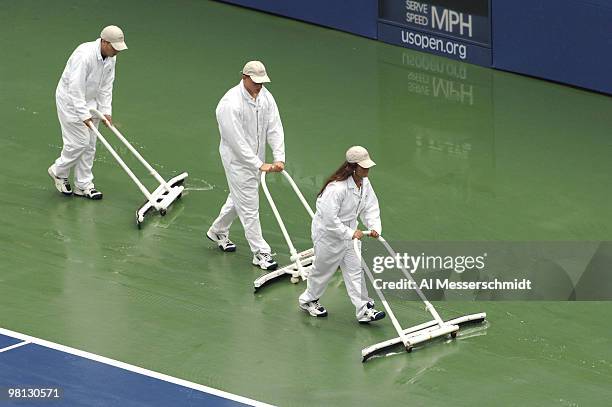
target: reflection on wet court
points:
(464, 154)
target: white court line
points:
(132, 368)
(17, 345)
(198, 189)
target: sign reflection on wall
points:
(459, 150)
(435, 84)
(438, 115)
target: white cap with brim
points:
(359, 155)
(114, 35)
(256, 71)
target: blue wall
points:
(568, 41)
(354, 16)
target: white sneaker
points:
(314, 308)
(61, 184)
(371, 315)
(90, 193)
(222, 241)
(264, 261)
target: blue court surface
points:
(76, 378)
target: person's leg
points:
(222, 224)
(244, 189)
(219, 231)
(354, 280)
(83, 175)
(328, 256)
(76, 140)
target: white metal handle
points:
(428, 305)
(99, 115)
(123, 165)
(281, 224)
(394, 321)
(298, 193)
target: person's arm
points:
(330, 204)
(232, 134)
(105, 93)
(276, 134)
(370, 215)
(77, 82)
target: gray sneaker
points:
(222, 241)
(264, 261)
(61, 184)
(314, 308)
(371, 315)
(90, 193)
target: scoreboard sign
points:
(458, 29)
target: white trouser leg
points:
(83, 175)
(328, 257)
(244, 191)
(228, 213)
(76, 138)
(354, 280)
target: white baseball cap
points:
(359, 155)
(114, 35)
(257, 71)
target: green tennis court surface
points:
(463, 153)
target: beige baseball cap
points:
(114, 35)
(359, 155)
(257, 71)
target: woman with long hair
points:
(346, 195)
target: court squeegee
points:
(163, 196)
(417, 334)
(301, 263)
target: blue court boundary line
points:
(126, 366)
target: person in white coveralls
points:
(346, 195)
(87, 82)
(248, 118)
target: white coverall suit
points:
(87, 82)
(333, 226)
(246, 124)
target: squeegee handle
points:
(98, 114)
(129, 172)
(428, 306)
(298, 193)
(281, 224)
(396, 325)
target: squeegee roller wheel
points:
(162, 212)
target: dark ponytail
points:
(346, 170)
